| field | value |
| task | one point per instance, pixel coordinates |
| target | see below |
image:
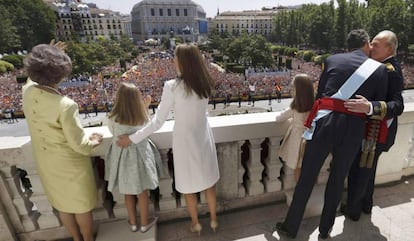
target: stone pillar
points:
(273, 166)
(7, 232)
(255, 168)
(229, 161)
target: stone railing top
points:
(225, 129)
(10, 142)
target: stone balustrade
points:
(250, 174)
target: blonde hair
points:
(304, 93)
(129, 108)
(193, 70)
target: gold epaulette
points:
(390, 67)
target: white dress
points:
(289, 150)
(194, 150)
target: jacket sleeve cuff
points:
(379, 110)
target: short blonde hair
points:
(129, 108)
(47, 65)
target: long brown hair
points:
(193, 70)
(129, 108)
(304, 95)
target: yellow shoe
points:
(213, 225)
(196, 228)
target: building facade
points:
(76, 20)
(157, 19)
(250, 21)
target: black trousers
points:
(342, 138)
(361, 182)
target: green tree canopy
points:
(25, 24)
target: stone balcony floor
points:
(392, 219)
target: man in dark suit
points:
(361, 177)
(339, 132)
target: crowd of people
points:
(98, 91)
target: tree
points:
(9, 39)
(33, 23)
(340, 25)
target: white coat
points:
(194, 150)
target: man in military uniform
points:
(338, 131)
(381, 128)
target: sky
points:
(210, 6)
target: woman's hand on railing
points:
(96, 138)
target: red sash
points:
(327, 103)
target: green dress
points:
(134, 169)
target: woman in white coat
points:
(194, 150)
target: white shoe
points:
(132, 227)
(145, 228)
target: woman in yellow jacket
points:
(60, 146)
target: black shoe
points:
(344, 210)
(323, 235)
(281, 229)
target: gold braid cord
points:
(369, 144)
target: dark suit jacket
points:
(337, 69)
(394, 102)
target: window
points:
(161, 12)
(177, 12)
(152, 12)
(169, 12)
(185, 12)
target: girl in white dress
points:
(303, 98)
(132, 170)
(194, 150)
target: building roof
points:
(168, 2)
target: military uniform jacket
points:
(337, 69)
(394, 104)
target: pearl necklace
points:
(50, 88)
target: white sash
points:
(351, 85)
